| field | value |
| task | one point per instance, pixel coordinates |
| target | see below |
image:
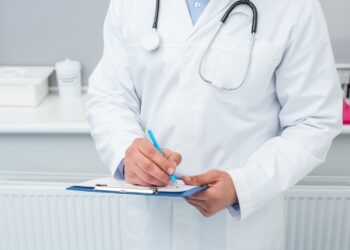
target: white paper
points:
(113, 183)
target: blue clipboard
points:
(184, 194)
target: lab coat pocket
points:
(239, 73)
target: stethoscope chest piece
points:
(151, 41)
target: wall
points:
(58, 153)
(34, 32)
(338, 19)
(41, 32)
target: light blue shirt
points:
(196, 8)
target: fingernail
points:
(174, 164)
(171, 170)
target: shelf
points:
(51, 116)
(346, 130)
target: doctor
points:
(247, 112)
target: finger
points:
(140, 182)
(172, 156)
(200, 206)
(196, 200)
(152, 169)
(137, 173)
(148, 179)
(132, 178)
(201, 196)
(202, 179)
(197, 203)
(148, 150)
(167, 152)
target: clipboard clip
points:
(133, 190)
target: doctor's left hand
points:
(220, 194)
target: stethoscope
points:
(151, 41)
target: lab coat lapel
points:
(216, 9)
(212, 10)
(180, 9)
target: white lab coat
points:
(267, 135)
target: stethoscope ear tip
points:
(151, 41)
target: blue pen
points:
(156, 145)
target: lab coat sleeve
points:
(309, 93)
(113, 107)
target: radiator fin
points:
(317, 223)
(58, 220)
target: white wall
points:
(44, 31)
(338, 19)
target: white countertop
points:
(52, 116)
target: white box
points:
(24, 86)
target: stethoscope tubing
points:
(251, 6)
(156, 15)
(252, 42)
(223, 21)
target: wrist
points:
(233, 193)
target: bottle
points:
(68, 74)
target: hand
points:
(220, 194)
(145, 166)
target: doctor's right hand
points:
(145, 166)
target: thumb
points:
(203, 179)
(172, 156)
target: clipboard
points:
(113, 186)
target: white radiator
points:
(36, 213)
(318, 214)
